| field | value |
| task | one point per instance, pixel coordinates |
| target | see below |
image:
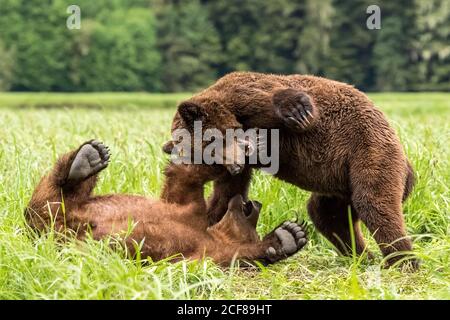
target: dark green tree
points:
(117, 55)
(433, 45)
(257, 35)
(115, 49)
(189, 45)
(174, 45)
(36, 33)
(6, 67)
(349, 57)
(314, 37)
(394, 56)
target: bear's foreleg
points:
(283, 242)
(224, 190)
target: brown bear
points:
(333, 142)
(175, 225)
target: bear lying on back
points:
(175, 225)
(333, 142)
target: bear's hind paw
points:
(92, 157)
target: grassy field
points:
(35, 128)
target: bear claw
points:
(295, 108)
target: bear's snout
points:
(235, 169)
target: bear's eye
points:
(249, 149)
(246, 145)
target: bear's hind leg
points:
(383, 216)
(70, 182)
(377, 197)
(330, 217)
(77, 171)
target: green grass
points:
(90, 100)
(135, 126)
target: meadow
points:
(36, 128)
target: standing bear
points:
(333, 142)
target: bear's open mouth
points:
(248, 208)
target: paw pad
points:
(92, 157)
(290, 237)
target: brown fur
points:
(175, 224)
(347, 156)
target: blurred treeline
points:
(162, 45)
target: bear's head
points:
(239, 222)
(206, 132)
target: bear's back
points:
(340, 104)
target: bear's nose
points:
(235, 169)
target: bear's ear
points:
(191, 112)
